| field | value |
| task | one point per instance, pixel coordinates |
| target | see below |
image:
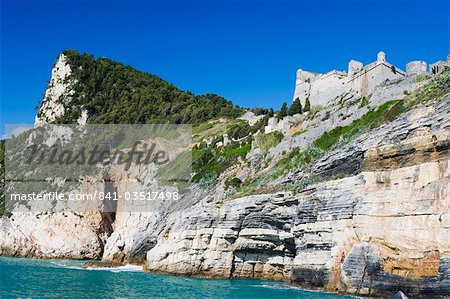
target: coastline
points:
(129, 271)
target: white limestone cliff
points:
(57, 94)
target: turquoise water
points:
(32, 278)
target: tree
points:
(116, 93)
(283, 111)
(2, 180)
(295, 108)
(307, 105)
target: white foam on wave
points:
(279, 286)
(126, 268)
(57, 264)
(62, 265)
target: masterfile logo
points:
(96, 167)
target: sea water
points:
(37, 278)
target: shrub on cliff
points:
(209, 163)
(2, 179)
(283, 111)
(232, 182)
(307, 105)
(267, 141)
(433, 90)
(296, 107)
(239, 130)
(372, 119)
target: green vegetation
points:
(177, 171)
(364, 101)
(303, 159)
(296, 159)
(421, 77)
(432, 90)
(335, 138)
(115, 93)
(262, 111)
(2, 179)
(283, 111)
(241, 150)
(314, 110)
(212, 128)
(232, 182)
(299, 132)
(209, 163)
(234, 128)
(326, 116)
(267, 141)
(341, 135)
(307, 105)
(239, 130)
(295, 108)
(372, 119)
(393, 69)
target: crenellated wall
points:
(360, 81)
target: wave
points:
(125, 268)
(63, 265)
(279, 286)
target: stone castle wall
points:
(319, 87)
(360, 81)
(416, 68)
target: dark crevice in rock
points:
(108, 215)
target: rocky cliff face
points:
(376, 220)
(61, 235)
(58, 92)
(382, 229)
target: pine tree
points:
(283, 111)
(295, 108)
(307, 105)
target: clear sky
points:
(246, 51)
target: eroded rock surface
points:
(382, 229)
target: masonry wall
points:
(321, 89)
(372, 76)
(360, 81)
(302, 84)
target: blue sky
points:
(246, 51)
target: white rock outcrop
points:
(58, 93)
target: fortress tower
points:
(415, 68)
(381, 57)
(354, 67)
(440, 66)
